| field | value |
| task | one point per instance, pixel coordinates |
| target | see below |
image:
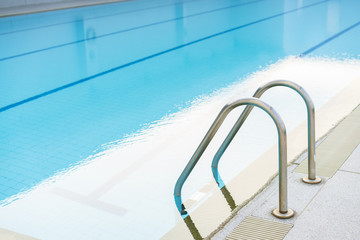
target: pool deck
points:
(329, 210)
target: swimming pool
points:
(98, 74)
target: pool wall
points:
(19, 7)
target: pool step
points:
(258, 228)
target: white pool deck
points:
(104, 198)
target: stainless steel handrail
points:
(283, 210)
(311, 178)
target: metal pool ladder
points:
(283, 211)
(311, 178)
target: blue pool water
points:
(72, 81)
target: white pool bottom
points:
(127, 192)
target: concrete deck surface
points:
(334, 212)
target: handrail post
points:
(311, 178)
(282, 211)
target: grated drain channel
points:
(258, 228)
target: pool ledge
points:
(45, 7)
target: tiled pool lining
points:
(140, 27)
(308, 51)
(88, 78)
(39, 152)
(100, 185)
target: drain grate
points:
(258, 228)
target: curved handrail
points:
(311, 130)
(283, 209)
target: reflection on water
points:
(194, 231)
(190, 222)
(333, 17)
(228, 197)
(179, 24)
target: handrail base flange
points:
(276, 212)
(311, 181)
